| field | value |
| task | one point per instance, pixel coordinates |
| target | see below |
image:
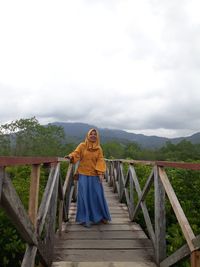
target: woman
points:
(91, 203)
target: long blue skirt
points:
(91, 203)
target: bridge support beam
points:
(160, 219)
(195, 258)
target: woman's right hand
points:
(68, 157)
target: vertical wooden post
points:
(131, 198)
(160, 218)
(34, 193)
(2, 175)
(120, 182)
(195, 259)
(60, 217)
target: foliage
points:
(26, 137)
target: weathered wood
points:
(118, 240)
(67, 178)
(96, 234)
(195, 258)
(181, 165)
(104, 244)
(29, 256)
(160, 218)
(103, 264)
(135, 255)
(11, 161)
(120, 217)
(178, 255)
(143, 194)
(196, 242)
(44, 206)
(34, 193)
(183, 222)
(131, 204)
(46, 245)
(143, 206)
(16, 211)
(102, 227)
(121, 181)
(60, 189)
(60, 216)
(2, 175)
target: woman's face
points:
(93, 136)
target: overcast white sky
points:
(124, 64)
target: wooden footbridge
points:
(50, 231)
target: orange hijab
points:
(92, 145)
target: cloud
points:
(120, 64)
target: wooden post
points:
(131, 203)
(160, 219)
(2, 175)
(34, 193)
(120, 180)
(195, 258)
(60, 217)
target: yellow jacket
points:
(92, 162)
(91, 157)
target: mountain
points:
(75, 132)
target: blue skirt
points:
(91, 203)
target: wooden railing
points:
(125, 183)
(37, 226)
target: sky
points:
(119, 64)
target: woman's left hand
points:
(101, 177)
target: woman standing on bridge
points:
(91, 203)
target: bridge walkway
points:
(121, 243)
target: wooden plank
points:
(103, 244)
(29, 257)
(183, 222)
(60, 216)
(121, 215)
(195, 258)
(103, 227)
(160, 218)
(139, 255)
(178, 255)
(44, 206)
(2, 175)
(196, 242)
(34, 193)
(143, 206)
(131, 205)
(46, 244)
(143, 194)
(181, 165)
(14, 208)
(67, 178)
(11, 161)
(102, 235)
(116, 220)
(103, 264)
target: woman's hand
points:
(68, 157)
(101, 177)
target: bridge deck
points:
(120, 243)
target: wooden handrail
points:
(14, 161)
(30, 224)
(121, 184)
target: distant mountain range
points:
(76, 132)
